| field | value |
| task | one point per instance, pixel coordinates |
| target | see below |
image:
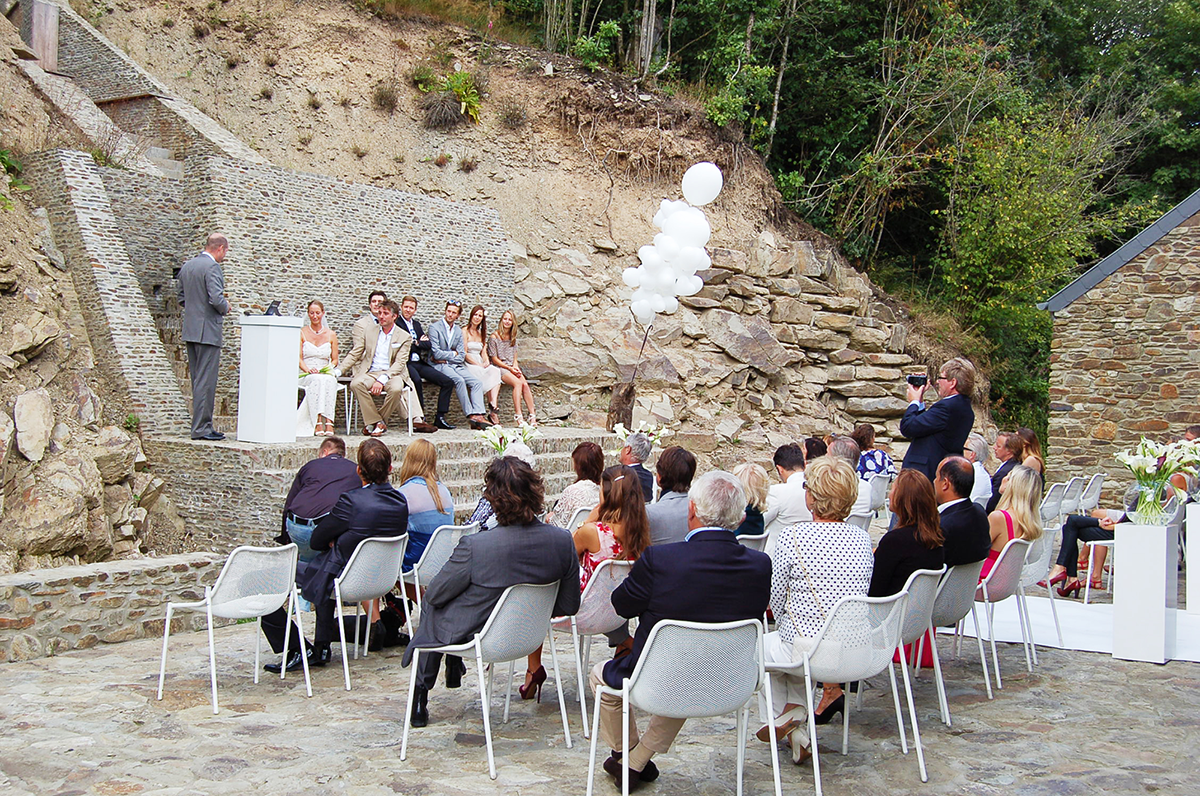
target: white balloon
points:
(666, 209)
(702, 183)
(643, 293)
(650, 257)
(671, 303)
(689, 228)
(667, 246)
(688, 285)
(632, 276)
(658, 303)
(690, 260)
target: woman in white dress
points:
(488, 374)
(318, 356)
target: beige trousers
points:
(396, 398)
(659, 735)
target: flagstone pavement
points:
(88, 723)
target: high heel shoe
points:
(1074, 587)
(533, 689)
(836, 706)
(1059, 578)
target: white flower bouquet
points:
(1152, 465)
(327, 369)
(652, 431)
(500, 438)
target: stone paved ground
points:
(88, 722)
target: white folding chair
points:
(879, 483)
(922, 587)
(254, 582)
(351, 406)
(518, 625)
(1037, 564)
(371, 572)
(1090, 497)
(437, 552)
(1000, 584)
(595, 616)
(578, 517)
(858, 641)
(861, 520)
(1111, 544)
(691, 670)
(955, 599)
(757, 542)
(1051, 508)
(1072, 492)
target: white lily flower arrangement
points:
(500, 438)
(327, 369)
(655, 433)
(1152, 465)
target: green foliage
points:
(132, 423)
(12, 171)
(464, 88)
(423, 77)
(384, 97)
(596, 51)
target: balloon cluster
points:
(669, 265)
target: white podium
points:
(269, 375)
(1145, 592)
(1192, 523)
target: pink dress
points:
(588, 561)
(994, 554)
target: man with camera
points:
(942, 429)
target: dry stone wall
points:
(1125, 360)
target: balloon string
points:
(637, 364)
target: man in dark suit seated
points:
(375, 509)
(964, 522)
(1007, 449)
(940, 430)
(709, 577)
(521, 549)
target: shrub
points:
(513, 114)
(442, 110)
(358, 151)
(314, 101)
(384, 97)
(441, 160)
(467, 165)
(132, 423)
(423, 77)
(463, 86)
(305, 139)
(232, 61)
(266, 92)
(200, 30)
(596, 51)
(169, 22)
(270, 60)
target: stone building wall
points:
(1125, 361)
(48, 611)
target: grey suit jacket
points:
(202, 296)
(447, 344)
(461, 596)
(668, 518)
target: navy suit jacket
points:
(709, 578)
(997, 477)
(967, 535)
(646, 478)
(939, 431)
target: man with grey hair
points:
(637, 450)
(847, 449)
(977, 453)
(201, 294)
(708, 577)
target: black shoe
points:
(395, 639)
(212, 436)
(612, 766)
(440, 422)
(455, 669)
(377, 634)
(647, 774)
(420, 710)
(317, 657)
(836, 706)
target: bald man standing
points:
(202, 296)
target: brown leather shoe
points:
(424, 428)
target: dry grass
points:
(442, 160)
(442, 110)
(466, 13)
(467, 165)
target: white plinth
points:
(1192, 518)
(270, 373)
(1145, 592)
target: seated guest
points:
(815, 448)
(668, 516)
(318, 358)
(914, 542)
(478, 364)
(430, 505)
(965, 531)
(621, 533)
(637, 450)
(816, 564)
(588, 461)
(1008, 450)
(847, 449)
(484, 514)
(375, 509)
(976, 452)
(785, 501)
(448, 352)
(1017, 515)
(1076, 528)
(519, 550)
(1031, 452)
(708, 578)
(502, 351)
(315, 489)
(754, 482)
(419, 369)
(872, 460)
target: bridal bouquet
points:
(1152, 465)
(328, 370)
(500, 438)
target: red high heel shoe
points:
(1072, 588)
(1059, 578)
(534, 689)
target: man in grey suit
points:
(521, 549)
(202, 296)
(669, 516)
(449, 354)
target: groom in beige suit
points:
(378, 363)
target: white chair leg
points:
(846, 719)
(812, 728)
(162, 664)
(595, 732)
(992, 641)
(1087, 588)
(987, 679)
(294, 608)
(512, 666)
(212, 655)
(1054, 613)
(943, 703)
(341, 623)
(562, 703)
(899, 714)
(774, 739)
(579, 673)
(741, 745)
(487, 723)
(912, 714)
(1021, 620)
(625, 741)
(412, 690)
(357, 625)
(257, 646)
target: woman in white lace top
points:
(588, 461)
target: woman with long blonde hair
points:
(502, 351)
(429, 502)
(757, 485)
(1017, 515)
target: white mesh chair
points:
(1090, 497)
(955, 599)
(691, 670)
(370, 573)
(1051, 508)
(879, 483)
(757, 542)
(1000, 584)
(922, 588)
(437, 552)
(595, 616)
(578, 517)
(858, 641)
(254, 582)
(1111, 544)
(351, 405)
(861, 520)
(1037, 564)
(1072, 492)
(518, 625)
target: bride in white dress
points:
(318, 352)
(477, 362)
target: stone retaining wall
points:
(48, 611)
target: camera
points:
(917, 379)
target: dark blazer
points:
(752, 525)
(647, 479)
(372, 510)
(461, 597)
(709, 578)
(997, 477)
(968, 537)
(317, 487)
(939, 431)
(899, 555)
(201, 293)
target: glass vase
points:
(1149, 507)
